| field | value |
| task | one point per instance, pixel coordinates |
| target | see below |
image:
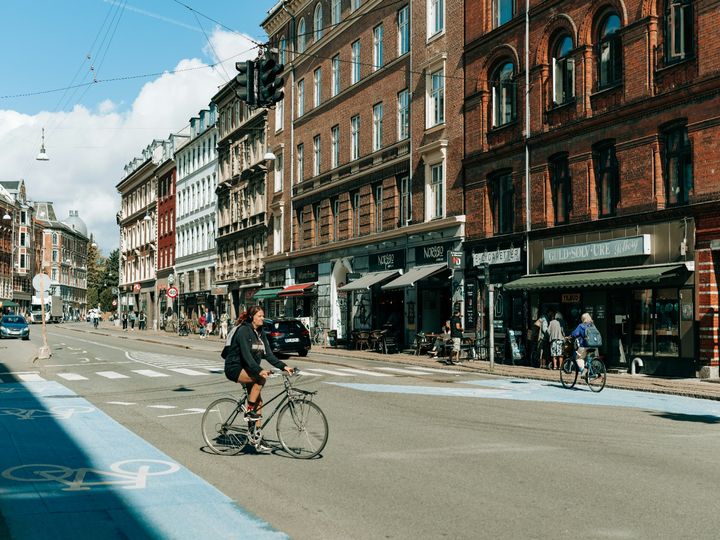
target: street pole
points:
(491, 308)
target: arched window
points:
(335, 11)
(281, 50)
(563, 71)
(318, 22)
(609, 52)
(503, 95)
(301, 37)
(678, 30)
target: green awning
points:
(270, 292)
(8, 304)
(644, 275)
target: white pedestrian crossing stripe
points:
(186, 371)
(30, 377)
(149, 373)
(112, 375)
(330, 372)
(364, 372)
(72, 377)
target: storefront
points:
(638, 287)
(302, 296)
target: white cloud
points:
(89, 148)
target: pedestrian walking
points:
(456, 334)
(224, 325)
(133, 317)
(557, 340)
(209, 321)
(142, 321)
(201, 326)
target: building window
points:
(355, 4)
(503, 11)
(278, 172)
(377, 126)
(300, 163)
(563, 71)
(318, 26)
(560, 186)
(316, 155)
(679, 30)
(403, 114)
(677, 160)
(436, 105)
(405, 191)
(279, 115)
(301, 98)
(282, 50)
(503, 95)
(607, 178)
(503, 203)
(335, 75)
(354, 138)
(436, 192)
(55, 255)
(609, 52)
(316, 222)
(336, 219)
(335, 11)
(436, 17)
(377, 47)
(335, 147)
(301, 228)
(378, 208)
(317, 86)
(277, 235)
(301, 36)
(403, 23)
(356, 214)
(54, 239)
(355, 61)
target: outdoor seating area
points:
(381, 341)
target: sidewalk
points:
(698, 388)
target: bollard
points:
(637, 362)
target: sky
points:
(104, 78)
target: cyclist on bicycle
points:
(247, 346)
(580, 334)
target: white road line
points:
(149, 373)
(31, 377)
(435, 370)
(404, 371)
(162, 407)
(112, 375)
(190, 411)
(329, 372)
(308, 374)
(364, 372)
(186, 371)
(120, 403)
(72, 377)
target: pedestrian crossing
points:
(186, 369)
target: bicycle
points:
(595, 374)
(301, 427)
(318, 336)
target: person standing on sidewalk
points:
(132, 317)
(142, 320)
(456, 334)
(209, 321)
(124, 320)
(224, 325)
(557, 340)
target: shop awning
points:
(298, 289)
(8, 304)
(269, 292)
(414, 275)
(368, 280)
(645, 275)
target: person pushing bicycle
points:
(247, 345)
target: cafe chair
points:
(362, 341)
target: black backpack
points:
(593, 336)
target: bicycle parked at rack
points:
(318, 335)
(595, 374)
(301, 426)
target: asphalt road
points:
(419, 454)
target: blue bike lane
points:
(68, 470)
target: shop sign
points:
(220, 290)
(456, 260)
(470, 304)
(392, 260)
(609, 249)
(570, 298)
(434, 253)
(136, 288)
(305, 274)
(500, 256)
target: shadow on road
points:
(696, 418)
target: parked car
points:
(287, 336)
(14, 326)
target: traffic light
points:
(245, 80)
(269, 84)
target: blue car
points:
(14, 326)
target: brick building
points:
(609, 205)
(366, 198)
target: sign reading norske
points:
(609, 249)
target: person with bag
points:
(245, 348)
(540, 341)
(588, 337)
(557, 340)
(201, 326)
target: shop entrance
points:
(618, 329)
(434, 302)
(387, 310)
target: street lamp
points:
(42, 156)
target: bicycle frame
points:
(285, 394)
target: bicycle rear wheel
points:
(596, 375)
(568, 373)
(302, 429)
(224, 429)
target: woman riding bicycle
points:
(580, 334)
(248, 346)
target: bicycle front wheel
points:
(596, 375)
(302, 429)
(223, 427)
(568, 373)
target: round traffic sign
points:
(41, 282)
(114, 302)
(172, 292)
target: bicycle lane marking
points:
(544, 391)
(86, 472)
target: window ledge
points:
(668, 65)
(436, 36)
(435, 128)
(498, 129)
(606, 90)
(559, 106)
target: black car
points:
(14, 326)
(287, 335)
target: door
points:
(618, 340)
